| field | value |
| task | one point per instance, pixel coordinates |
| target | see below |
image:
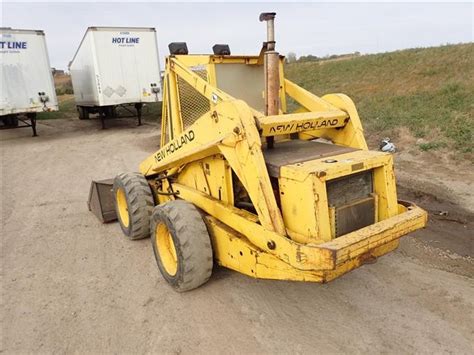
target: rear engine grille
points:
(351, 202)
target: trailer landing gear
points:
(139, 106)
(32, 117)
(12, 121)
(111, 112)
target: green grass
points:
(152, 111)
(431, 146)
(67, 109)
(428, 90)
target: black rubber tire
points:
(14, 121)
(83, 112)
(110, 112)
(139, 204)
(113, 112)
(10, 121)
(192, 243)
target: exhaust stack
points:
(272, 75)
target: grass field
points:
(430, 91)
(67, 109)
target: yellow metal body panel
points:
(235, 252)
(303, 191)
(291, 232)
(212, 176)
(324, 256)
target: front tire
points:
(133, 204)
(181, 244)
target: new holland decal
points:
(175, 145)
(304, 126)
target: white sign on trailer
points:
(26, 73)
(115, 66)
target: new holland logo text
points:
(175, 145)
(12, 45)
(304, 126)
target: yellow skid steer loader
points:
(242, 181)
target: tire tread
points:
(194, 243)
(140, 204)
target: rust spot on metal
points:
(367, 258)
(300, 256)
(357, 166)
(215, 116)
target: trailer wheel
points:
(113, 112)
(133, 204)
(110, 112)
(10, 121)
(14, 121)
(181, 245)
(83, 112)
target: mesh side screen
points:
(193, 104)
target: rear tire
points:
(133, 204)
(110, 112)
(83, 112)
(14, 121)
(10, 121)
(181, 244)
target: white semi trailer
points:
(115, 66)
(27, 80)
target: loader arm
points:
(230, 130)
(235, 130)
(350, 134)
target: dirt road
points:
(71, 284)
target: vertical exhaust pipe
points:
(272, 72)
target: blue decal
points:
(12, 45)
(126, 40)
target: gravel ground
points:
(72, 284)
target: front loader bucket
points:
(101, 200)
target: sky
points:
(303, 28)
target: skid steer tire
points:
(181, 244)
(133, 204)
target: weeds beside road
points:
(430, 91)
